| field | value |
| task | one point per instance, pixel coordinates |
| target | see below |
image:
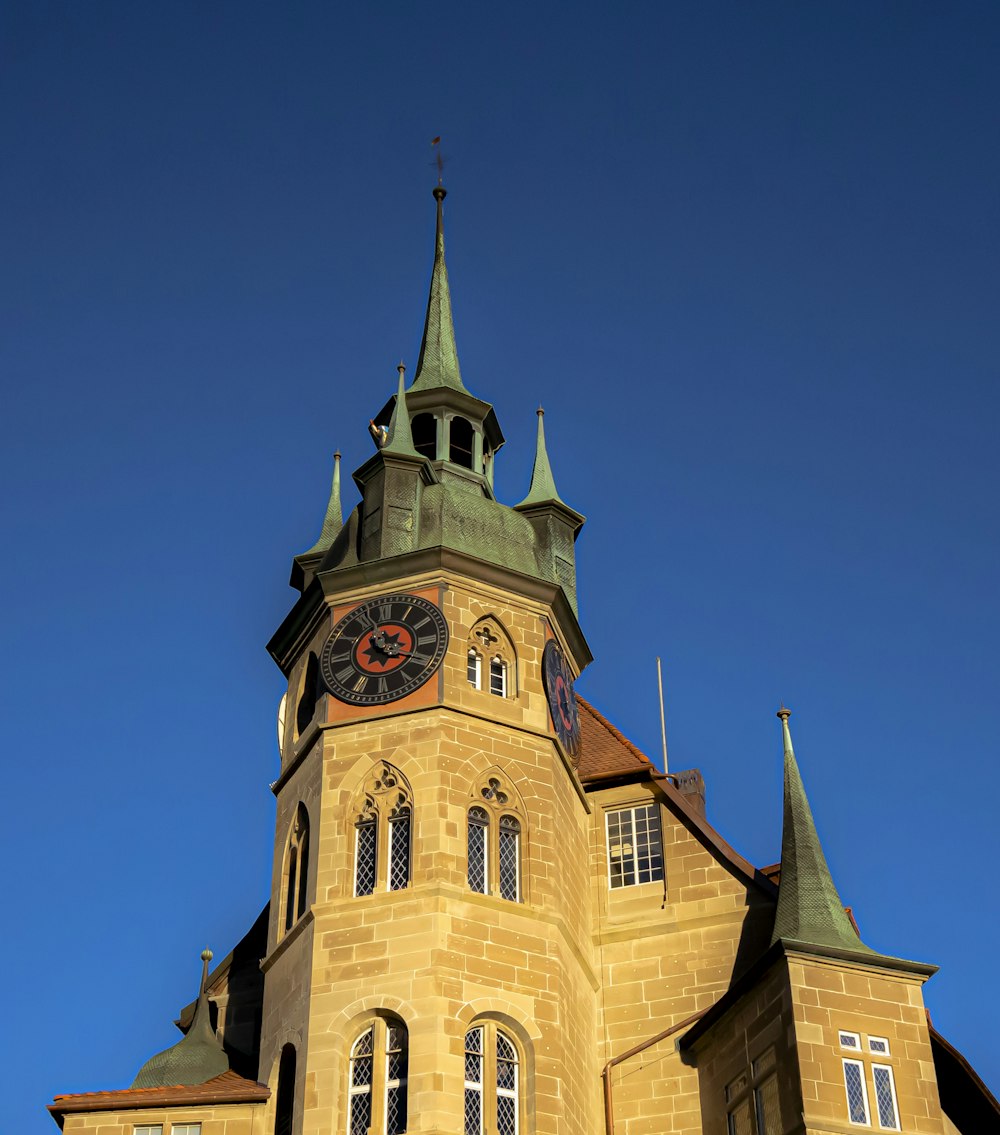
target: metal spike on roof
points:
(196, 1057)
(543, 485)
(333, 521)
(399, 438)
(438, 361)
(809, 911)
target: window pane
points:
(148, 1129)
(506, 1086)
(766, 1103)
(739, 1119)
(474, 1082)
(399, 852)
(395, 1110)
(475, 670)
(395, 1076)
(185, 1129)
(293, 858)
(477, 850)
(510, 840)
(361, 1114)
(857, 1097)
(878, 1045)
(473, 1110)
(498, 677)
(648, 849)
(885, 1096)
(364, 873)
(620, 858)
(506, 1115)
(300, 908)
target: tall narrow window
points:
(857, 1093)
(475, 670)
(377, 1080)
(509, 858)
(296, 870)
(479, 822)
(424, 431)
(885, 1096)
(362, 1067)
(498, 677)
(752, 1105)
(460, 450)
(284, 1106)
(635, 850)
(399, 850)
(308, 693)
(492, 1081)
(365, 856)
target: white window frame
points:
(475, 665)
(859, 1064)
(879, 1051)
(148, 1129)
(185, 1129)
(632, 810)
(502, 669)
(887, 1068)
(856, 1037)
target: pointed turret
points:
(556, 524)
(333, 521)
(438, 361)
(399, 439)
(197, 1057)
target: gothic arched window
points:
(296, 870)
(424, 430)
(491, 659)
(460, 447)
(377, 1079)
(284, 1106)
(308, 694)
(494, 842)
(492, 1082)
(383, 832)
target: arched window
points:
(285, 1104)
(305, 708)
(492, 1082)
(460, 449)
(296, 871)
(490, 649)
(494, 843)
(424, 430)
(383, 832)
(377, 1079)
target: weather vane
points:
(438, 158)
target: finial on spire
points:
(439, 162)
(206, 957)
(784, 712)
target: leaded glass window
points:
(399, 850)
(752, 1105)
(365, 857)
(362, 1067)
(506, 1086)
(395, 1079)
(857, 1093)
(296, 870)
(635, 850)
(509, 858)
(478, 854)
(885, 1096)
(474, 1082)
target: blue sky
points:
(746, 255)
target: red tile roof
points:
(227, 1088)
(604, 750)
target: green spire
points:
(809, 912)
(543, 485)
(197, 1057)
(438, 362)
(399, 439)
(334, 519)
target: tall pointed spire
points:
(438, 361)
(809, 910)
(197, 1057)
(543, 484)
(399, 438)
(333, 521)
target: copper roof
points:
(226, 1088)
(605, 751)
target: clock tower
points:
(428, 945)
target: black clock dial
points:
(384, 649)
(562, 701)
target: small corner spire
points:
(543, 484)
(399, 438)
(809, 912)
(333, 520)
(437, 364)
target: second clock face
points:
(384, 649)
(562, 700)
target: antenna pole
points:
(663, 720)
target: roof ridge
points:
(224, 1079)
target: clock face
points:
(384, 649)
(562, 700)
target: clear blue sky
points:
(745, 255)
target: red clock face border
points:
(562, 700)
(384, 649)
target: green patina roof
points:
(399, 438)
(334, 519)
(809, 912)
(438, 362)
(197, 1057)
(543, 484)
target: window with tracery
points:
(492, 1082)
(383, 832)
(296, 870)
(494, 843)
(491, 659)
(377, 1079)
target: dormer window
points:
(461, 439)
(424, 430)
